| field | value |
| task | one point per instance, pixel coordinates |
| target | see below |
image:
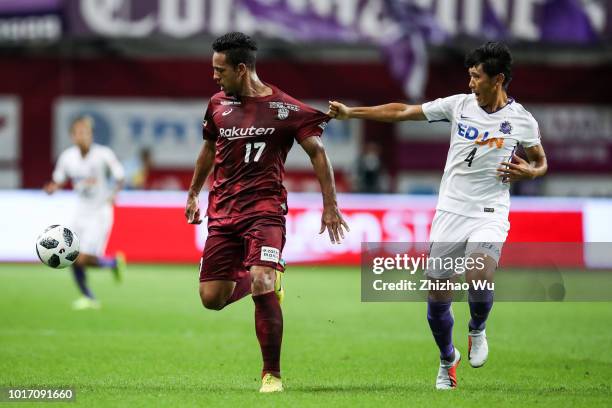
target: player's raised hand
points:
(332, 220)
(338, 110)
(520, 170)
(192, 211)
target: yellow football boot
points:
(270, 383)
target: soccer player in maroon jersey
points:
(249, 128)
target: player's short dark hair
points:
(495, 58)
(82, 118)
(239, 48)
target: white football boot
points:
(85, 303)
(447, 374)
(478, 349)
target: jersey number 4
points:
(470, 157)
(250, 147)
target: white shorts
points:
(456, 236)
(93, 229)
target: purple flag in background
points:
(407, 52)
(403, 29)
(493, 27)
(565, 21)
(400, 30)
(304, 25)
(30, 6)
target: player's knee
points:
(482, 269)
(212, 302)
(213, 305)
(262, 279)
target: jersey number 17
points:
(260, 146)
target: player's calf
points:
(481, 293)
(480, 299)
(268, 320)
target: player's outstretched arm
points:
(521, 169)
(391, 112)
(331, 219)
(203, 166)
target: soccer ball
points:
(57, 247)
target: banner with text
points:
(401, 28)
(151, 227)
(27, 20)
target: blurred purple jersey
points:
(253, 136)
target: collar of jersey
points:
(508, 102)
(262, 98)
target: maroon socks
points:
(269, 330)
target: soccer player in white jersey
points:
(471, 218)
(87, 166)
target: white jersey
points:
(480, 141)
(89, 174)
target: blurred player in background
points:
(87, 166)
(249, 128)
(472, 213)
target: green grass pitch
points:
(152, 344)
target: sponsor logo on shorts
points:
(489, 209)
(269, 254)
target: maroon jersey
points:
(253, 136)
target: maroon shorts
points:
(237, 243)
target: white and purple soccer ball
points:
(57, 247)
